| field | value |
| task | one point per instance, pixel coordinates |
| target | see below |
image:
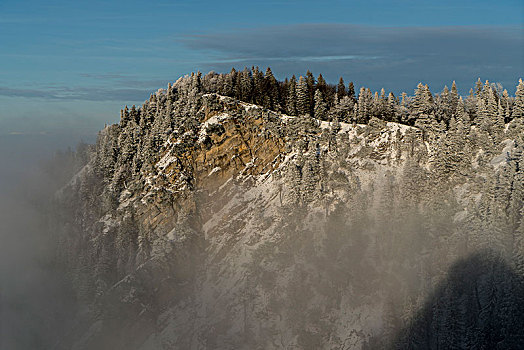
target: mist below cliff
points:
(36, 300)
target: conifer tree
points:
(382, 104)
(422, 107)
(478, 88)
(444, 108)
(485, 89)
(391, 109)
(506, 104)
(462, 115)
(258, 86)
(246, 85)
(482, 118)
(499, 122)
(320, 106)
(365, 105)
(311, 87)
(454, 97)
(343, 110)
(271, 89)
(375, 107)
(341, 89)
(491, 103)
(227, 88)
(321, 84)
(471, 104)
(351, 92)
(303, 106)
(291, 102)
(518, 105)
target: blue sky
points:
(67, 67)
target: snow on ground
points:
(165, 161)
(216, 119)
(501, 159)
(214, 170)
(400, 127)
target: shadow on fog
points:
(480, 305)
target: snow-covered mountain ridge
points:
(205, 222)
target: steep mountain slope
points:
(245, 290)
(204, 222)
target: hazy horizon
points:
(68, 68)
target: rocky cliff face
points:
(218, 224)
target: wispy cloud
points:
(108, 76)
(24, 133)
(126, 80)
(79, 93)
(295, 59)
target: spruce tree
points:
(320, 106)
(375, 106)
(341, 89)
(271, 89)
(291, 101)
(444, 109)
(365, 105)
(491, 103)
(343, 110)
(454, 97)
(518, 105)
(246, 85)
(351, 92)
(321, 84)
(462, 115)
(478, 88)
(422, 107)
(227, 88)
(311, 87)
(391, 109)
(258, 86)
(506, 104)
(303, 105)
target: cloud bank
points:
(396, 58)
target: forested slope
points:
(237, 211)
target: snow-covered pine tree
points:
(478, 88)
(365, 105)
(444, 108)
(454, 98)
(303, 106)
(391, 108)
(246, 85)
(518, 105)
(291, 101)
(311, 87)
(421, 108)
(320, 106)
(342, 110)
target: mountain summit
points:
(233, 211)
